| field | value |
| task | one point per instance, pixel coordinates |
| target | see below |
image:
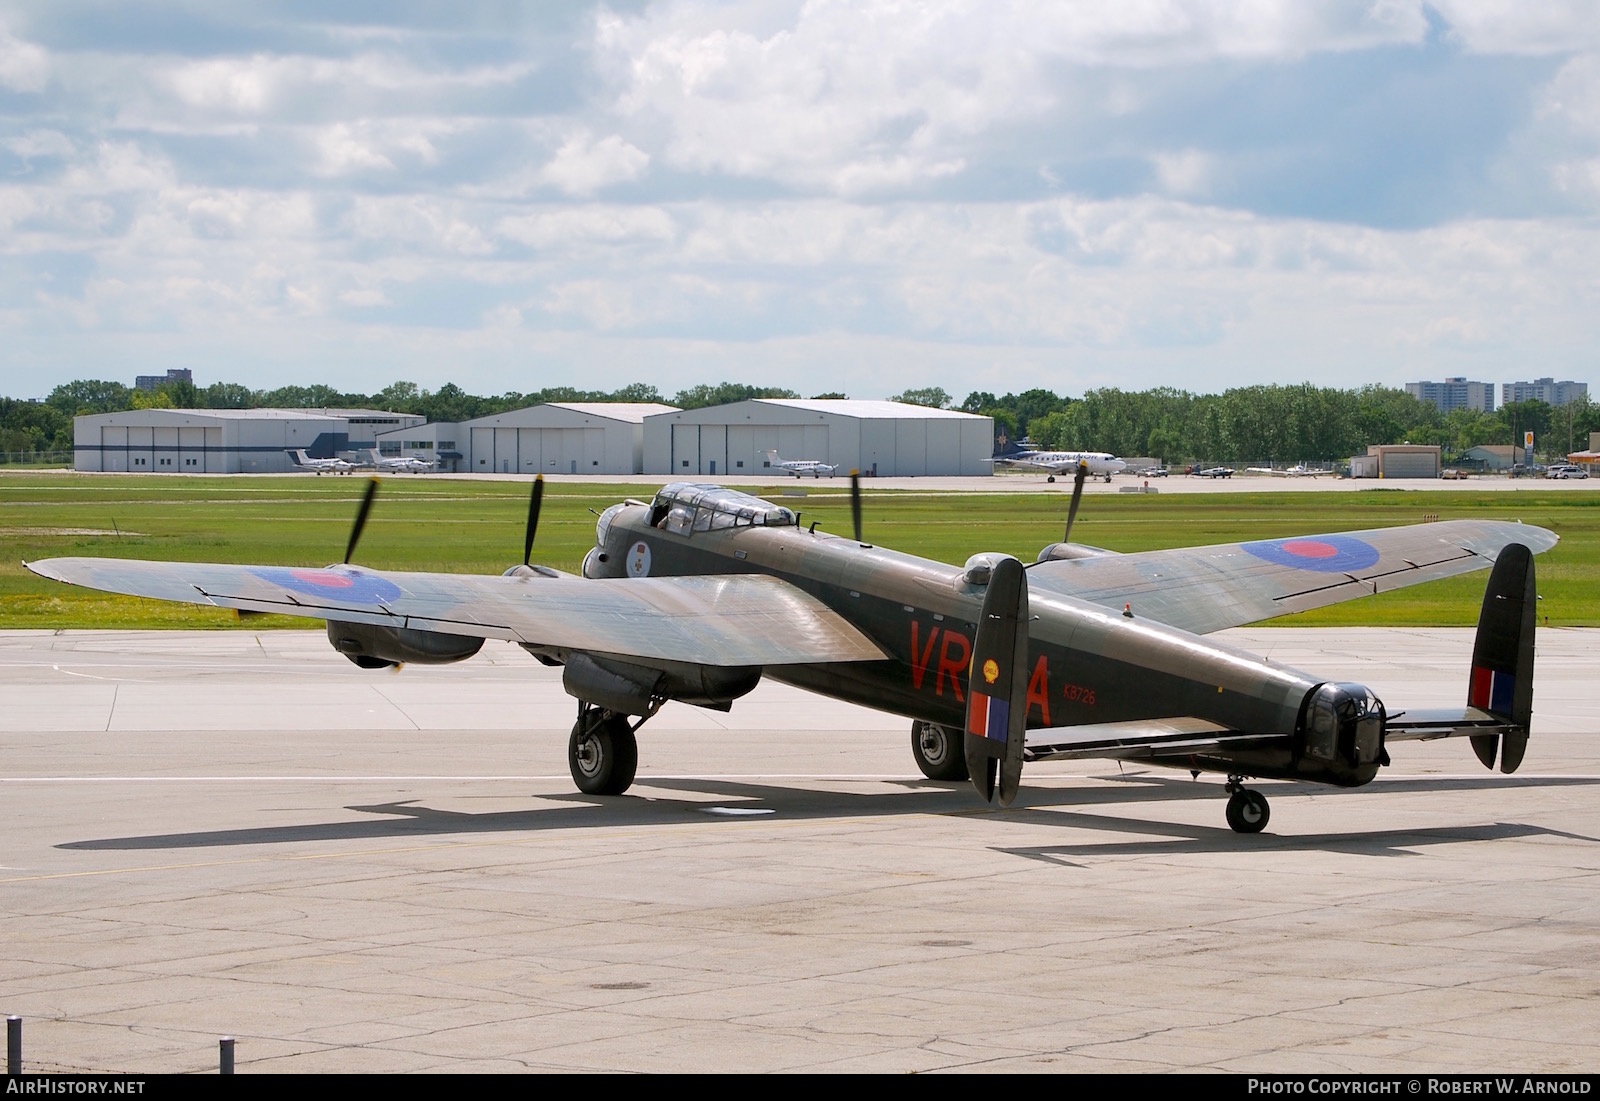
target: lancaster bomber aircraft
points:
(698, 594)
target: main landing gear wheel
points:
(939, 751)
(602, 753)
(1248, 811)
(1051, 478)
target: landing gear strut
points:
(939, 751)
(602, 752)
(1247, 808)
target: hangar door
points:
(1410, 465)
(482, 449)
(748, 443)
(563, 450)
(141, 449)
(113, 449)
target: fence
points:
(35, 458)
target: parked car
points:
(1154, 472)
(1566, 470)
(1454, 475)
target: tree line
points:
(1250, 423)
(1301, 423)
(47, 425)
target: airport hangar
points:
(882, 438)
(573, 437)
(223, 441)
(607, 438)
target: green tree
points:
(33, 426)
(450, 403)
(227, 395)
(638, 391)
(1521, 417)
(150, 399)
(397, 397)
(90, 396)
(180, 394)
(724, 393)
(931, 397)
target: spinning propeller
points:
(1067, 548)
(361, 519)
(1077, 496)
(535, 502)
(855, 503)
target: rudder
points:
(1502, 656)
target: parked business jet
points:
(799, 467)
(1299, 470)
(1101, 464)
(401, 464)
(318, 466)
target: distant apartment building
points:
(1454, 393)
(1547, 390)
(151, 382)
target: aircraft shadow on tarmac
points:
(1041, 804)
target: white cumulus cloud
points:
(583, 165)
(24, 66)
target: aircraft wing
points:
(1204, 589)
(731, 620)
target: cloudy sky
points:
(858, 196)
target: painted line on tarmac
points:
(646, 778)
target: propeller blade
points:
(534, 502)
(1077, 495)
(855, 502)
(361, 519)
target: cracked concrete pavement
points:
(241, 834)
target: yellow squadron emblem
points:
(991, 671)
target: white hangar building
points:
(223, 441)
(569, 437)
(882, 438)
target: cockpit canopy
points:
(683, 507)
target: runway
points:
(227, 833)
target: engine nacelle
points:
(374, 647)
(630, 689)
(1061, 552)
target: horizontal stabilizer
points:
(1424, 725)
(1140, 739)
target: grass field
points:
(476, 527)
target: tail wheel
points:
(1248, 811)
(938, 751)
(602, 754)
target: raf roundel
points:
(1323, 554)
(346, 586)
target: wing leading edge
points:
(732, 620)
(1205, 589)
